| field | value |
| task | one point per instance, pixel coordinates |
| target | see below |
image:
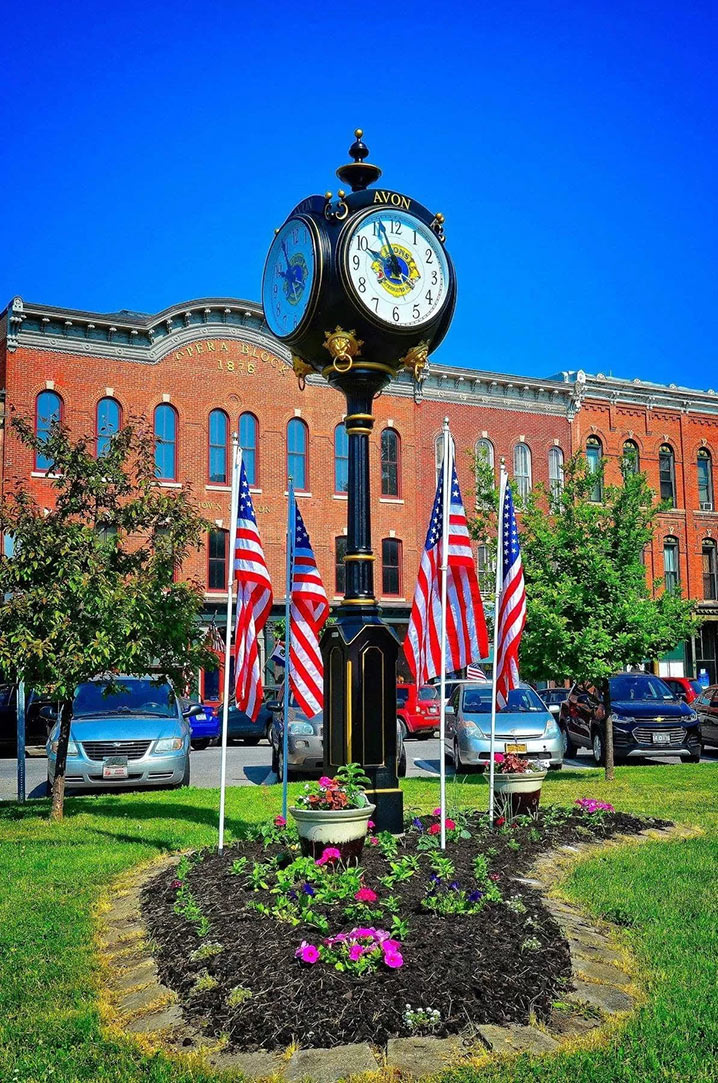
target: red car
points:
(683, 687)
(417, 709)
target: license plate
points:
(661, 738)
(515, 748)
(200, 717)
(115, 767)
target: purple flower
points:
(474, 896)
(292, 895)
(435, 879)
(176, 884)
(416, 822)
(308, 890)
(455, 886)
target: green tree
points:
(590, 608)
(90, 586)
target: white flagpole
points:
(287, 622)
(447, 468)
(234, 505)
(497, 598)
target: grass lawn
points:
(665, 893)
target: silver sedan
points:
(305, 746)
(524, 727)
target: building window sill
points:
(170, 485)
(391, 500)
(297, 493)
(339, 496)
(219, 488)
(44, 474)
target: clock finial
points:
(359, 174)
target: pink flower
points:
(393, 959)
(365, 895)
(279, 821)
(176, 883)
(498, 757)
(356, 951)
(308, 953)
(360, 933)
(330, 854)
(371, 825)
(373, 841)
(494, 876)
(450, 825)
(436, 812)
(390, 947)
(327, 783)
(435, 829)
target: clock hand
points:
(394, 261)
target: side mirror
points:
(273, 706)
(448, 710)
(48, 713)
(555, 709)
(193, 709)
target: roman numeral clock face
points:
(396, 268)
(290, 277)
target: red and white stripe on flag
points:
(309, 609)
(466, 636)
(475, 673)
(254, 603)
(511, 606)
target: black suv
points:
(647, 719)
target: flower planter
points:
(344, 828)
(517, 794)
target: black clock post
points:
(315, 287)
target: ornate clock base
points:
(360, 707)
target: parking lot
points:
(247, 766)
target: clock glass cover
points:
(289, 277)
(397, 268)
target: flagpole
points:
(233, 504)
(287, 622)
(497, 600)
(447, 468)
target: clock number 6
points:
(395, 314)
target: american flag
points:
(213, 639)
(466, 638)
(254, 603)
(512, 606)
(309, 608)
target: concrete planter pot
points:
(517, 795)
(344, 828)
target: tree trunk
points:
(609, 775)
(58, 785)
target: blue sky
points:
(149, 151)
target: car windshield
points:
(402, 695)
(478, 701)
(428, 692)
(697, 688)
(651, 689)
(131, 696)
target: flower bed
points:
(268, 947)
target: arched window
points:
(630, 458)
(705, 479)
(341, 459)
(218, 447)
(485, 452)
(710, 570)
(340, 550)
(390, 463)
(438, 454)
(594, 456)
(667, 473)
(166, 442)
(107, 423)
(522, 469)
(217, 560)
(48, 412)
(297, 467)
(555, 471)
(391, 566)
(671, 569)
(249, 441)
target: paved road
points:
(251, 766)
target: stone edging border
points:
(134, 1001)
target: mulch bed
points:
(474, 968)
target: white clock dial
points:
(397, 268)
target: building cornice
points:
(642, 393)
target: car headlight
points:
(619, 719)
(169, 744)
(72, 749)
(470, 728)
(692, 717)
(300, 729)
(552, 730)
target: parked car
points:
(647, 720)
(240, 726)
(525, 726)
(706, 706)
(205, 725)
(36, 726)
(417, 709)
(553, 698)
(683, 687)
(134, 736)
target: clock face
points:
(290, 277)
(396, 268)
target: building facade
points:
(201, 370)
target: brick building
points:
(200, 370)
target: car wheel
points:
(200, 744)
(403, 729)
(48, 787)
(252, 740)
(695, 757)
(185, 778)
(425, 735)
(599, 751)
(280, 767)
(569, 748)
(464, 768)
(275, 761)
